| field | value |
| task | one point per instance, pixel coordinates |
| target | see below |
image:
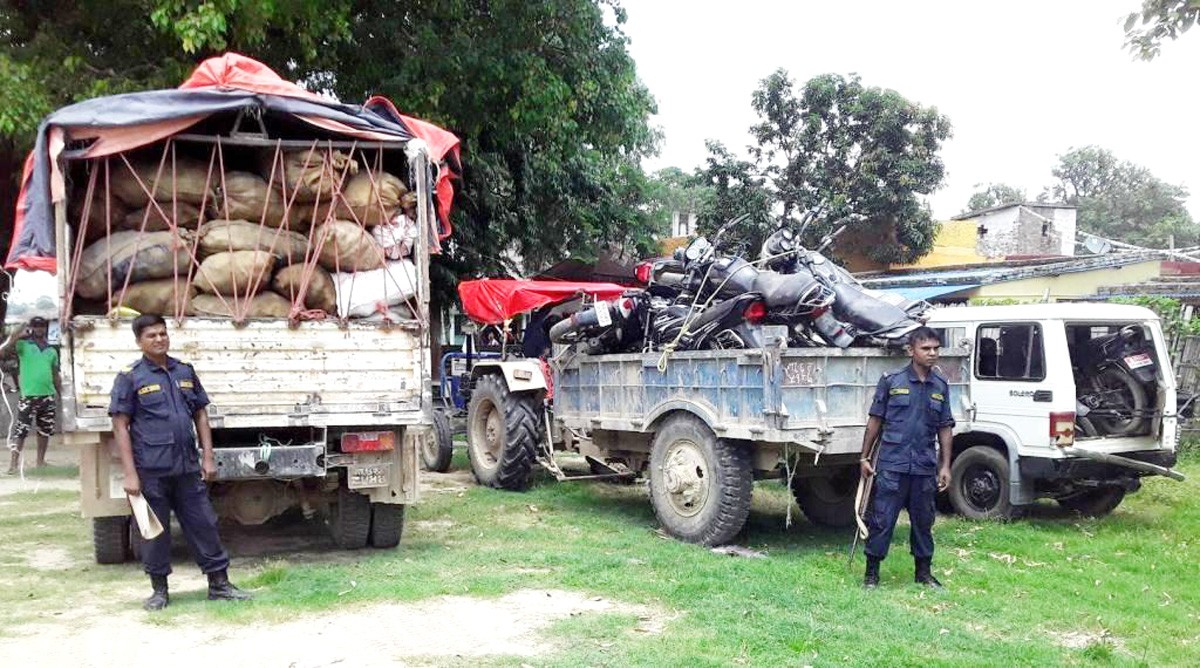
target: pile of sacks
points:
(248, 241)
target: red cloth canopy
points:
(492, 301)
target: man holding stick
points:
(910, 411)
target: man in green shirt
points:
(39, 386)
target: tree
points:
(856, 150)
(56, 52)
(671, 190)
(995, 194)
(546, 100)
(738, 189)
(1119, 200)
(1159, 20)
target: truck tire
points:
(1094, 502)
(350, 520)
(387, 523)
(828, 500)
(110, 539)
(699, 484)
(437, 451)
(979, 484)
(503, 431)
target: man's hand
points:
(865, 468)
(133, 484)
(208, 468)
(943, 478)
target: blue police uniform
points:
(161, 403)
(913, 411)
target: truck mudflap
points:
(1117, 460)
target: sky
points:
(1021, 81)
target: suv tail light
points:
(643, 272)
(1062, 428)
(755, 313)
(369, 441)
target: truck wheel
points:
(110, 539)
(437, 451)
(387, 523)
(699, 484)
(350, 520)
(503, 430)
(979, 484)
(828, 500)
(1094, 502)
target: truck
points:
(311, 410)
(1032, 421)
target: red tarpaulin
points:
(493, 301)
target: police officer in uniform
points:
(158, 410)
(910, 411)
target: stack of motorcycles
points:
(699, 299)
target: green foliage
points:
(546, 100)
(1169, 311)
(995, 301)
(858, 150)
(995, 194)
(737, 189)
(1158, 21)
(1123, 201)
(671, 190)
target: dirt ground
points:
(419, 634)
(425, 633)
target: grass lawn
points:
(1051, 589)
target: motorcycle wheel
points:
(1122, 400)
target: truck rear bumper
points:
(279, 462)
(1084, 466)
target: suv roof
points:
(1058, 311)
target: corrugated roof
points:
(998, 272)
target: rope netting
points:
(329, 168)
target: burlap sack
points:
(159, 296)
(321, 293)
(158, 218)
(310, 173)
(347, 247)
(224, 273)
(245, 196)
(263, 305)
(188, 184)
(223, 236)
(408, 204)
(304, 217)
(371, 198)
(96, 213)
(139, 255)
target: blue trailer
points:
(700, 425)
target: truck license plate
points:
(367, 475)
(1138, 361)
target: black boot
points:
(924, 575)
(871, 578)
(221, 589)
(160, 598)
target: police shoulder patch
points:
(937, 396)
(186, 384)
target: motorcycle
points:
(867, 316)
(1110, 379)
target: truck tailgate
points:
(262, 374)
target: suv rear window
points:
(1010, 352)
